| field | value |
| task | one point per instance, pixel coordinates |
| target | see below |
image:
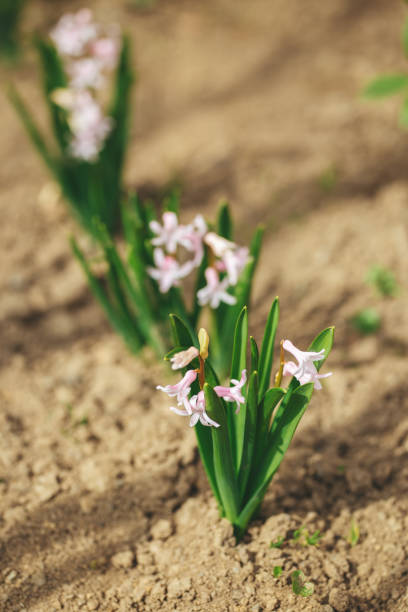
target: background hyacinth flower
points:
(243, 429)
(80, 61)
(166, 269)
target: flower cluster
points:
(226, 258)
(305, 370)
(89, 53)
(194, 406)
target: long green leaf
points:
(130, 334)
(249, 433)
(267, 348)
(224, 221)
(386, 85)
(182, 334)
(32, 130)
(254, 354)
(405, 37)
(276, 451)
(236, 423)
(240, 344)
(265, 410)
(222, 455)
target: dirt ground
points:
(104, 504)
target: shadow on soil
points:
(115, 520)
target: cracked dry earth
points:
(104, 504)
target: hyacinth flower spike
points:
(168, 267)
(241, 450)
(305, 370)
(79, 59)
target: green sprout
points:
(278, 543)
(354, 533)
(298, 534)
(383, 280)
(313, 540)
(366, 321)
(299, 585)
(277, 571)
(328, 179)
(387, 85)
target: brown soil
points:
(104, 504)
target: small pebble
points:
(123, 559)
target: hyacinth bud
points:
(204, 340)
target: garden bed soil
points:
(104, 504)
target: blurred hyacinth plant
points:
(165, 266)
(243, 429)
(10, 13)
(79, 61)
(387, 85)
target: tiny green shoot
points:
(298, 534)
(366, 321)
(278, 543)
(277, 571)
(383, 280)
(313, 540)
(328, 178)
(354, 533)
(300, 586)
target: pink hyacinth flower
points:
(215, 291)
(233, 394)
(304, 371)
(191, 238)
(168, 234)
(85, 73)
(168, 272)
(218, 244)
(106, 50)
(89, 126)
(235, 262)
(74, 32)
(181, 389)
(183, 358)
(233, 258)
(195, 409)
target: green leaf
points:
(278, 443)
(129, 332)
(172, 201)
(181, 333)
(299, 586)
(224, 221)
(267, 348)
(33, 131)
(354, 534)
(137, 298)
(236, 422)
(324, 340)
(403, 117)
(277, 571)
(386, 85)
(405, 37)
(313, 540)
(265, 410)
(223, 460)
(278, 543)
(254, 354)
(246, 437)
(240, 344)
